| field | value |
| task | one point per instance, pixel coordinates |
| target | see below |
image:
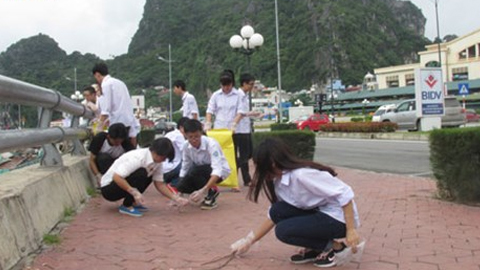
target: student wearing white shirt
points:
(203, 166)
(224, 104)
(189, 103)
(310, 206)
(133, 172)
(106, 147)
(171, 168)
(117, 105)
(242, 138)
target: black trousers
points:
(138, 179)
(196, 178)
(243, 152)
(104, 162)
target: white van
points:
(377, 116)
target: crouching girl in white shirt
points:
(310, 206)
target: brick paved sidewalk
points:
(404, 225)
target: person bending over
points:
(310, 206)
(133, 172)
(203, 166)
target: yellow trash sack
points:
(224, 138)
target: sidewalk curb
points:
(378, 136)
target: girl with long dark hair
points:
(310, 206)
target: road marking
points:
(373, 140)
(422, 174)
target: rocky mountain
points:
(318, 39)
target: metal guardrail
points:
(22, 93)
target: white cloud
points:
(457, 17)
(102, 27)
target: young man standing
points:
(133, 172)
(242, 138)
(117, 105)
(225, 104)
(189, 104)
(203, 166)
(106, 147)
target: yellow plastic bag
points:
(224, 138)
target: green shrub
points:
(146, 137)
(283, 126)
(455, 159)
(360, 127)
(356, 119)
(302, 143)
(368, 118)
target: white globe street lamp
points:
(246, 43)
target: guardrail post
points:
(78, 148)
(51, 155)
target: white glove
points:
(179, 201)
(198, 195)
(243, 245)
(207, 126)
(139, 200)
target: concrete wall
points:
(32, 202)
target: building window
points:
(472, 52)
(392, 81)
(460, 74)
(462, 54)
(409, 79)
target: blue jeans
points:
(172, 176)
(305, 228)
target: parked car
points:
(405, 115)
(312, 122)
(382, 110)
(472, 115)
(162, 126)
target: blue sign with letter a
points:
(463, 89)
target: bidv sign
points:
(429, 93)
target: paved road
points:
(400, 157)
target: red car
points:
(472, 116)
(312, 122)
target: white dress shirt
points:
(189, 105)
(209, 152)
(308, 188)
(244, 126)
(116, 103)
(178, 141)
(225, 107)
(131, 161)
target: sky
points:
(106, 27)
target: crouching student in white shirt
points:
(310, 206)
(133, 172)
(203, 166)
(171, 168)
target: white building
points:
(460, 59)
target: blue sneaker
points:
(141, 208)
(131, 212)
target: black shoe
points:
(210, 201)
(306, 257)
(325, 259)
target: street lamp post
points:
(438, 35)
(246, 43)
(74, 79)
(364, 102)
(169, 61)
